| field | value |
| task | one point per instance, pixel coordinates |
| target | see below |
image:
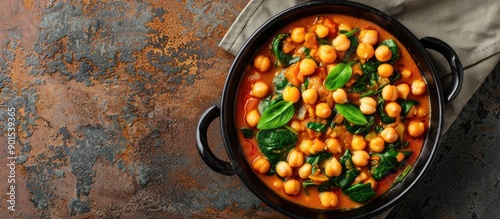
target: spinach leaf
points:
(371, 65)
(247, 133)
(360, 129)
(387, 163)
(354, 44)
(406, 106)
(352, 113)
(338, 76)
(276, 115)
(402, 175)
(396, 75)
(365, 82)
(349, 171)
(316, 159)
(360, 193)
(383, 116)
(306, 184)
(394, 49)
(279, 81)
(283, 58)
(316, 126)
(397, 145)
(276, 143)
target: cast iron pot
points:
(238, 164)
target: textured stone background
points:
(108, 94)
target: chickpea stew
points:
(333, 112)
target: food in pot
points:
(333, 112)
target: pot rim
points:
(397, 192)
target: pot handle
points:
(218, 165)
(457, 71)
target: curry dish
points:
(332, 112)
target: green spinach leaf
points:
(387, 163)
(280, 82)
(352, 113)
(360, 193)
(276, 115)
(247, 133)
(316, 159)
(406, 106)
(338, 76)
(394, 49)
(402, 175)
(349, 171)
(276, 143)
(360, 129)
(383, 115)
(316, 126)
(283, 58)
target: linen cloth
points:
(470, 27)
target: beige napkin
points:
(470, 27)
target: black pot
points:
(238, 164)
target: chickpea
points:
(405, 74)
(421, 112)
(345, 27)
(416, 129)
(403, 90)
(252, 118)
(368, 105)
(383, 53)
(327, 54)
(390, 93)
(328, 199)
(365, 51)
(262, 63)
(296, 125)
(295, 158)
(385, 70)
(305, 146)
(333, 145)
(318, 146)
(358, 142)
(291, 94)
(393, 109)
(377, 144)
(323, 110)
(310, 96)
(368, 36)
(389, 135)
(418, 87)
(340, 96)
(360, 158)
(333, 167)
(261, 165)
(321, 30)
(298, 34)
(305, 171)
(283, 169)
(341, 43)
(292, 187)
(259, 89)
(307, 67)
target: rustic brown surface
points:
(107, 97)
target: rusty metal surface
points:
(106, 96)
